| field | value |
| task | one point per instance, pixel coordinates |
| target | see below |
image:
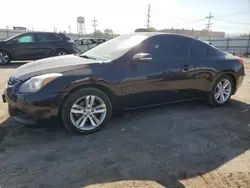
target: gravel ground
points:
(180, 145)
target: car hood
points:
(58, 64)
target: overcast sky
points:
(123, 16)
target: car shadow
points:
(164, 145)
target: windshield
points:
(115, 48)
(12, 37)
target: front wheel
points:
(222, 91)
(4, 58)
(86, 110)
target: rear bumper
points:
(239, 82)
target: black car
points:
(35, 45)
(127, 72)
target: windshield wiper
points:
(87, 57)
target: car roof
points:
(45, 32)
(150, 34)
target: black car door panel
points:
(168, 77)
(23, 47)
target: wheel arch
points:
(6, 51)
(112, 97)
(233, 77)
(229, 73)
(58, 49)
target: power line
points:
(148, 17)
(94, 25)
(230, 21)
(231, 14)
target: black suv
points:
(35, 45)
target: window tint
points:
(85, 42)
(25, 39)
(199, 49)
(169, 47)
(40, 37)
(64, 36)
(52, 37)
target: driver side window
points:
(25, 39)
(167, 48)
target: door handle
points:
(186, 68)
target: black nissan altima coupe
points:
(127, 72)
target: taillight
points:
(241, 61)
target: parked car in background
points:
(127, 72)
(85, 44)
(35, 45)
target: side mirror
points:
(142, 57)
(14, 41)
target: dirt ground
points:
(181, 145)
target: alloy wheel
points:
(223, 91)
(4, 58)
(88, 112)
(61, 53)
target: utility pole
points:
(208, 25)
(55, 30)
(248, 44)
(94, 25)
(69, 28)
(148, 17)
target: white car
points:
(84, 44)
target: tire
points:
(4, 58)
(61, 52)
(71, 117)
(214, 93)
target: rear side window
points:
(64, 36)
(199, 49)
(52, 37)
(43, 37)
(85, 42)
(169, 47)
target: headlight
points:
(35, 83)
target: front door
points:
(167, 77)
(24, 47)
(143, 83)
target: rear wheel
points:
(86, 110)
(61, 52)
(4, 58)
(222, 91)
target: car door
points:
(46, 44)
(162, 79)
(179, 68)
(24, 47)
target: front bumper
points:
(29, 108)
